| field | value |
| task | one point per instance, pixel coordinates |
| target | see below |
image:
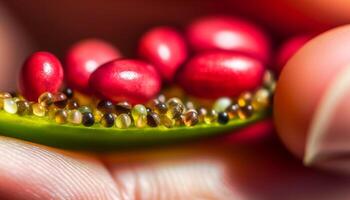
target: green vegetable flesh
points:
(96, 137)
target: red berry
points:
(220, 73)
(288, 49)
(41, 72)
(165, 48)
(126, 80)
(85, 57)
(225, 33)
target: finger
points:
(29, 171)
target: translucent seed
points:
(60, 100)
(123, 121)
(221, 104)
(232, 110)
(160, 108)
(202, 112)
(245, 98)
(68, 92)
(39, 110)
(97, 115)
(16, 99)
(190, 118)
(107, 120)
(268, 79)
(173, 102)
(51, 113)
(75, 117)
(105, 106)
(46, 99)
(123, 107)
(88, 119)
(161, 98)
(153, 119)
(210, 117)
(61, 116)
(166, 121)
(246, 111)
(4, 95)
(10, 106)
(223, 118)
(261, 99)
(72, 104)
(84, 109)
(190, 105)
(175, 112)
(139, 114)
(23, 108)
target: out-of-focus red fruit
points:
(288, 49)
(41, 72)
(85, 57)
(220, 73)
(228, 33)
(165, 48)
(126, 80)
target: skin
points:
(240, 169)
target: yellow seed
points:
(232, 111)
(139, 114)
(51, 111)
(39, 110)
(123, 121)
(166, 121)
(4, 95)
(97, 115)
(10, 106)
(75, 117)
(61, 116)
(175, 111)
(190, 118)
(46, 99)
(211, 117)
(261, 99)
(245, 98)
(202, 112)
(173, 102)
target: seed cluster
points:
(63, 108)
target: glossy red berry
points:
(41, 72)
(288, 49)
(165, 48)
(226, 33)
(126, 80)
(85, 57)
(220, 73)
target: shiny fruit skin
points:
(228, 33)
(126, 80)
(41, 72)
(85, 57)
(165, 48)
(220, 73)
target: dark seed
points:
(123, 107)
(23, 108)
(88, 119)
(60, 100)
(153, 119)
(68, 92)
(246, 111)
(72, 104)
(223, 118)
(232, 110)
(105, 106)
(108, 120)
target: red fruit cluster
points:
(229, 58)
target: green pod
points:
(47, 132)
